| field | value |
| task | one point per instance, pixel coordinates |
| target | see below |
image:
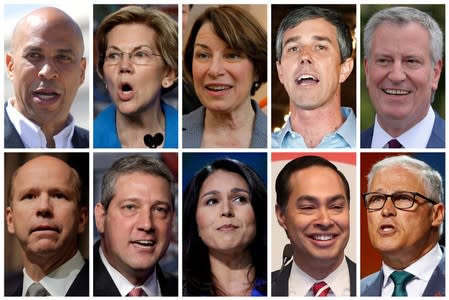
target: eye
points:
(233, 55)
(33, 56)
(201, 55)
(129, 207)
(141, 54)
(161, 210)
(292, 49)
(211, 201)
(29, 196)
(60, 196)
(321, 47)
(113, 55)
(64, 59)
(241, 200)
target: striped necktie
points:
(320, 289)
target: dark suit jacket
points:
(79, 287)
(104, 285)
(372, 284)
(279, 279)
(80, 138)
(436, 140)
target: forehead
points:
(315, 180)
(404, 36)
(396, 178)
(133, 34)
(225, 179)
(317, 27)
(141, 181)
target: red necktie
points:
(136, 292)
(320, 289)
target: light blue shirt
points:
(343, 137)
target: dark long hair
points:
(197, 275)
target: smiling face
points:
(222, 76)
(316, 217)
(225, 217)
(46, 66)
(135, 88)
(403, 236)
(400, 76)
(136, 228)
(44, 213)
(310, 68)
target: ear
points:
(436, 74)
(100, 215)
(438, 214)
(346, 69)
(169, 78)
(83, 219)
(10, 220)
(9, 60)
(280, 215)
(280, 72)
(83, 70)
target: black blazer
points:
(80, 138)
(279, 279)
(104, 285)
(79, 287)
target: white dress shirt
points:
(422, 269)
(150, 286)
(32, 135)
(416, 137)
(58, 282)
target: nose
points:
(125, 63)
(388, 209)
(226, 209)
(145, 220)
(397, 73)
(324, 219)
(216, 67)
(304, 56)
(48, 71)
(44, 206)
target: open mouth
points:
(218, 88)
(45, 95)
(323, 237)
(144, 243)
(126, 88)
(126, 91)
(307, 79)
(387, 228)
(396, 92)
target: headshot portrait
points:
(313, 224)
(402, 224)
(224, 224)
(313, 83)
(46, 93)
(135, 95)
(225, 64)
(46, 246)
(402, 82)
(135, 252)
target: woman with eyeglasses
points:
(138, 61)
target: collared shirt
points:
(58, 282)
(150, 286)
(300, 283)
(422, 269)
(32, 135)
(408, 139)
(343, 137)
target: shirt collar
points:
(58, 282)
(408, 139)
(150, 286)
(32, 135)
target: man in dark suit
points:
(134, 219)
(406, 230)
(312, 205)
(46, 214)
(46, 66)
(403, 64)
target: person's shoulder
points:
(13, 284)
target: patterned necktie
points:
(400, 279)
(136, 292)
(394, 143)
(320, 289)
(36, 289)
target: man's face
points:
(403, 236)
(310, 68)
(136, 228)
(316, 217)
(400, 76)
(44, 213)
(46, 67)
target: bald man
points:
(46, 65)
(46, 215)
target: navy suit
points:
(104, 285)
(436, 140)
(80, 138)
(79, 287)
(279, 279)
(372, 284)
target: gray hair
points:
(402, 16)
(431, 179)
(300, 15)
(132, 164)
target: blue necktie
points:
(400, 279)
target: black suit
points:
(79, 287)
(279, 279)
(104, 285)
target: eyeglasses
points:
(141, 56)
(401, 200)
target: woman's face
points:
(134, 83)
(225, 217)
(222, 76)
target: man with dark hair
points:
(312, 206)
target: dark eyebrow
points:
(315, 37)
(32, 49)
(134, 49)
(330, 199)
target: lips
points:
(45, 95)
(146, 243)
(126, 91)
(307, 79)
(323, 236)
(396, 92)
(387, 229)
(45, 227)
(227, 227)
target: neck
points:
(39, 266)
(242, 117)
(396, 127)
(318, 268)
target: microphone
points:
(287, 254)
(153, 142)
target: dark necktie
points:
(400, 279)
(394, 143)
(320, 289)
(36, 289)
(137, 292)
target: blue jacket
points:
(105, 129)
